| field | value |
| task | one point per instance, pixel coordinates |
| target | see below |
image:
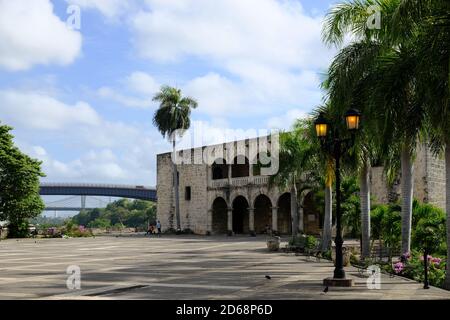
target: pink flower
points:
(398, 267)
(436, 261)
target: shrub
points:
(19, 230)
(413, 268)
(310, 242)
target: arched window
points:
(240, 167)
(219, 169)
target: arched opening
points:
(257, 163)
(263, 213)
(240, 167)
(219, 216)
(311, 214)
(240, 215)
(284, 213)
(219, 169)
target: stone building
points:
(220, 197)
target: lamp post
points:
(333, 144)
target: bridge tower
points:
(83, 203)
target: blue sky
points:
(80, 99)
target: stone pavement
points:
(178, 267)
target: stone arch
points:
(263, 213)
(219, 216)
(311, 214)
(219, 169)
(240, 215)
(240, 167)
(284, 213)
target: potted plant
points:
(273, 243)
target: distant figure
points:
(1, 230)
(149, 230)
(158, 226)
(268, 230)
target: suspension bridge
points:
(86, 195)
(76, 203)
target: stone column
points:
(209, 222)
(275, 220)
(230, 221)
(251, 221)
(301, 219)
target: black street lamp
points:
(334, 145)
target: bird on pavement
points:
(268, 277)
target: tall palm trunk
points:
(175, 187)
(407, 197)
(326, 236)
(294, 212)
(364, 183)
(301, 216)
(447, 208)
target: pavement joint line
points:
(129, 286)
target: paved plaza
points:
(178, 267)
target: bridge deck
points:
(107, 190)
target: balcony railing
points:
(240, 182)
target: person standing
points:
(158, 226)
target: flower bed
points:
(411, 266)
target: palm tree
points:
(296, 156)
(393, 86)
(325, 168)
(328, 216)
(172, 118)
(429, 21)
(349, 84)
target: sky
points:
(78, 88)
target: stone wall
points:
(429, 181)
(164, 189)
(435, 180)
(196, 214)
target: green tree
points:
(428, 21)
(351, 210)
(171, 119)
(19, 186)
(393, 99)
(297, 156)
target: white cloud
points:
(109, 8)
(286, 121)
(30, 34)
(215, 94)
(94, 166)
(266, 54)
(125, 100)
(76, 144)
(37, 110)
(262, 31)
(135, 91)
(142, 83)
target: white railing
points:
(220, 183)
(240, 182)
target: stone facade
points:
(429, 181)
(234, 198)
(238, 199)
